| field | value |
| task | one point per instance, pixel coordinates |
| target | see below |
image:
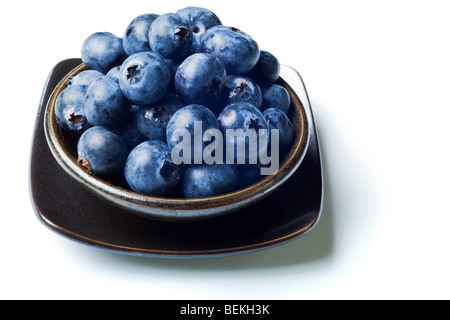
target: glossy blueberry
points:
(105, 103)
(170, 35)
(242, 89)
(200, 19)
(187, 118)
(153, 119)
(244, 116)
(209, 180)
(101, 151)
(236, 49)
(85, 78)
(149, 169)
(135, 38)
(267, 69)
(200, 79)
(129, 130)
(101, 51)
(276, 96)
(277, 119)
(69, 109)
(144, 77)
(114, 72)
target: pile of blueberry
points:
(169, 72)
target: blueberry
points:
(170, 35)
(105, 103)
(129, 130)
(200, 79)
(267, 69)
(276, 96)
(236, 49)
(149, 169)
(135, 38)
(242, 89)
(248, 118)
(209, 180)
(144, 77)
(69, 109)
(189, 119)
(101, 151)
(277, 119)
(153, 119)
(101, 51)
(114, 72)
(85, 78)
(200, 19)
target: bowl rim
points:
(176, 208)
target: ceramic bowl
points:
(64, 150)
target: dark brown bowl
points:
(177, 208)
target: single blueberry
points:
(200, 79)
(135, 38)
(276, 96)
(144, 77)
(267, 69)
(149, 169)
(105, 103)
(209, 180)
(243, 127)
(69, 109)
(170, 35)
(277, 119)
(236, 49)
(200, 19)
(242, 89)
(152, 119)
(101, 151)
(85, 78)
(101, 51)
(191, 122)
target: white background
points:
(378, 75)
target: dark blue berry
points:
(170, 35)
(236, 49)
(209, 180)
(242, 89)
(149, 169)
(135, 38)
(101, 151)
(69, 109)
(277, 119)
(248, 118)
(267, 69)
(187, 120)
(101, 51)
(200, 79)
(276, 96)
(105, 103)
(144, 77)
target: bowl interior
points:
(63, 148)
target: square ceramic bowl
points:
(177, 209)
